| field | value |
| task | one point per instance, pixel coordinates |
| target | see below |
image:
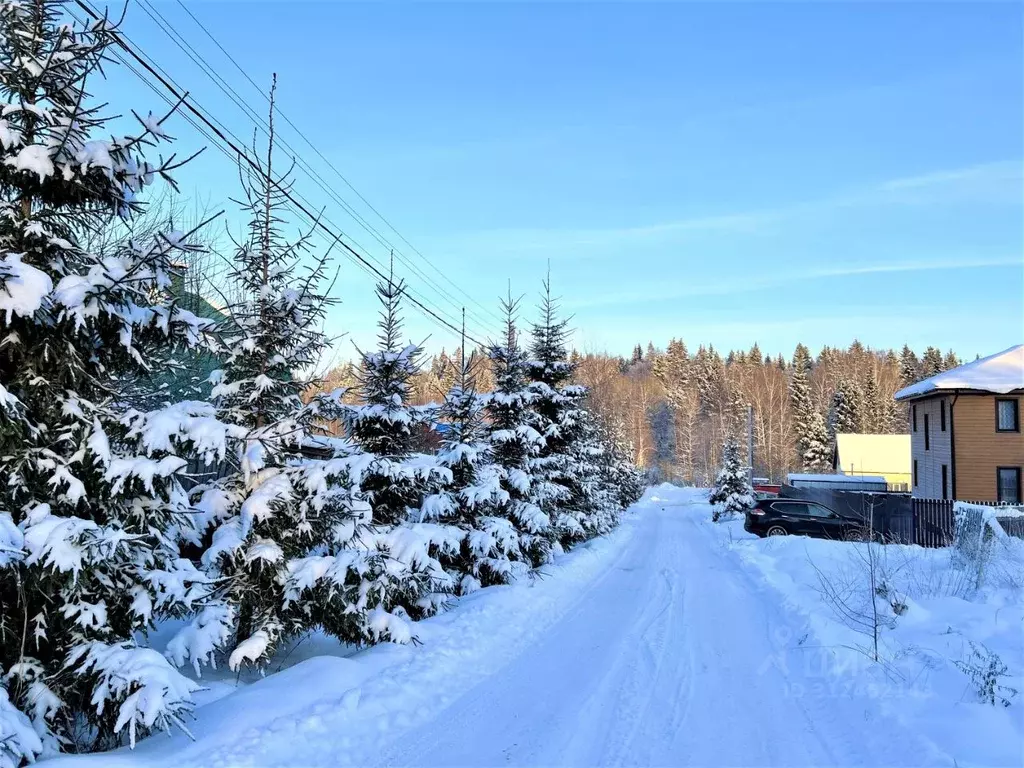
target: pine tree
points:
(595, 500)
(638, 355)
(92, 500)
(931, 363)
(674, 370)
(383, 424)
(393, 479)
(267, 519)
(513, 441)
(732, 493)
(817, 455)
(872, 410)
(843, 415)
(755, 357)
(556, 414)
(473, 501)
(951, 361)
(910, 368)
(800, 400)
(889, 416)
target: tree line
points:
(674, 409)
(678, 407)
(133, 495)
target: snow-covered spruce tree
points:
(872, 415)
(732, 493)
(910, 367)
(557, 414)
(843, 417)
(594, 476)
(474, 500)
(274, 510)
(817, 456)
(626, 476)
(391, 477)
(932, 363)
(800, 401)
(513, 441)
(91, 502)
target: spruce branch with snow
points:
(92, 507)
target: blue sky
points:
(727, 173)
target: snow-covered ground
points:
(940, 618)
(674, 641)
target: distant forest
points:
(677, 407)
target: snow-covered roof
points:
(851, 479)
(999, 373)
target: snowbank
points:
(354, 702)
(934, 626)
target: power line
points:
(334, 168)
(299, 204)
(222, 84)
(260, 123)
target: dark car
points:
(781, 517)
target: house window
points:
(1008, 485)
(927, 441)
(945, 482)
(915, 473)
(913, 412)
(942, 415)
(1007, 416)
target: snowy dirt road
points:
(653, 648)
(672, 657)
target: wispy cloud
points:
(995, 182)
(754, 283)
(985, 172)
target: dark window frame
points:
(913, 411)
(927, 437)
(942, 415)
(1016, 414)
(945, 482)
(915, 473)
(999, 487)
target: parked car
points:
(782, 517)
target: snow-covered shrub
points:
(732, 493)
(133, 688)
(986, 671)
(19, 742)
(92, 496)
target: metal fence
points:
(935, 523)
(899, 518)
